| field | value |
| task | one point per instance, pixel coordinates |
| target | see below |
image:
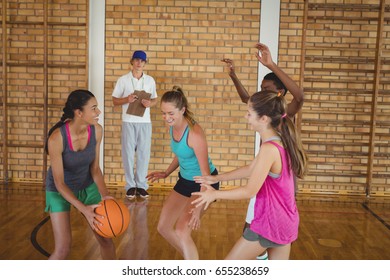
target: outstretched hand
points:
(229, 65)
(208, 179)
(206, 197)
(194, 222)
(156, 175)
(264, 57)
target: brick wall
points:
(339, 78)
(185, 41)
(67, 59)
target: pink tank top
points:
(70, 139)
(276, 215)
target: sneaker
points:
(263, 256)
(130, 194)
(142, 193)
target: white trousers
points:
(136, 144)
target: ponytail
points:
(273, 105)
(292, 142)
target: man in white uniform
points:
(133, 89)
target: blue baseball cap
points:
(139, 54)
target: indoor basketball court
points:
(337, 53)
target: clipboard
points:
(136, 108)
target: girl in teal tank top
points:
(189, 145)
(189, 165)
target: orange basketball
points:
(116, 218)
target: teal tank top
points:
(189, 166)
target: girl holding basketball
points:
(271, 179)
(74, 177)
(188, 142)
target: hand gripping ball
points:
(116, 218)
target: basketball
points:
(116, 218)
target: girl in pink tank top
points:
(271, 180)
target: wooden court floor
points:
(331, 228)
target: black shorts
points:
(186, 187)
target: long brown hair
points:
(176, 96)
(273, 105)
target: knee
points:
(162, 229)
(183, 232)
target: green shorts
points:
(56, 203)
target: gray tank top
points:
(77, 173)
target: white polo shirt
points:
(126, 85)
